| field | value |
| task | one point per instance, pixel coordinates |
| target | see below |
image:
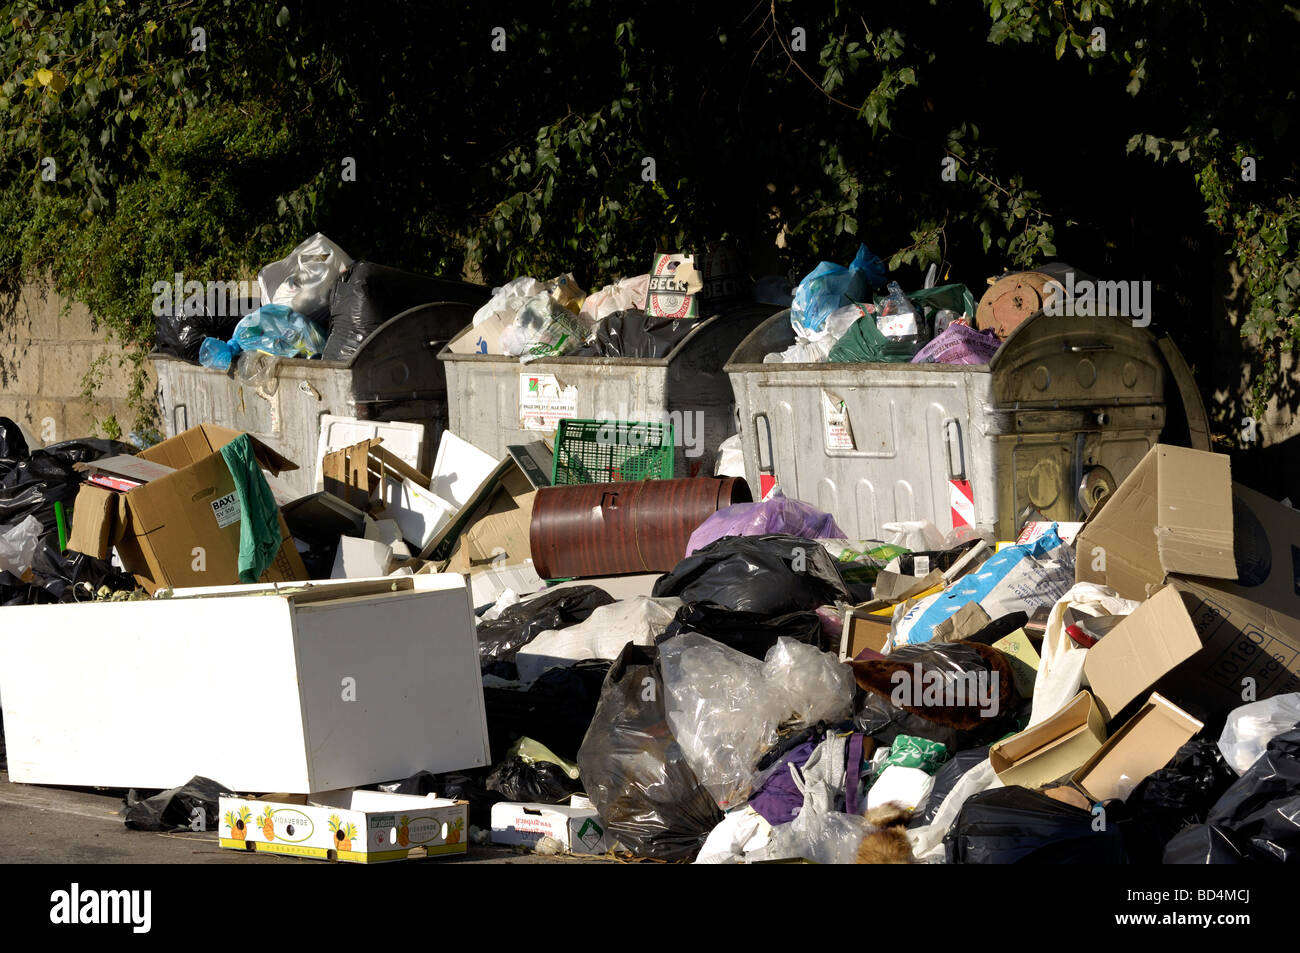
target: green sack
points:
(864, 344)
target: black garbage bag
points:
(540, 781)
(76, 577)
(367, 295)
(1258, 816)
(988, 708)
(556, 710)
(32, 484)
(945, 779)
(634, 333)
(750, 632)
(455, 785)
(1202, 844)
(182, 335)
(500, 639)
(1014, 825)
(1178, 796)
(769, 575)
(633, 769)
(13, 445)
(176, 809)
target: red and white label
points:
(962, 499)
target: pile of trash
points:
(666, 667)
(837, 320)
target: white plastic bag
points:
(816, 685)
(916, 535)
(927, 841)
(603, 634)
(909, 787)
(1250, 728)
(814, 347)
(731, 458)
(303, 279)
(626, 295)
(509, 298)
(1060, 667)
(18, 545)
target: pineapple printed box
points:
(362, 827)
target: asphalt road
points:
(44, 825)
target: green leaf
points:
(282, 18)
(1060, 43)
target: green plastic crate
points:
(611, 451)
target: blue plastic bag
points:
(272, 329)
(830, 286)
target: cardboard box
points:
(1229, 552)
(181, 528)
(360, 827)
(492, 527)
(1146, 743)
(313, 687)
(1053, 748)
(578, 829)
(361, 474)
(404, 440)
(1172, 514)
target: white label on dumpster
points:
(835, 417)
(543, 402)
(226, 509)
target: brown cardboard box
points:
(183, 529)
(1053, 748)
(1233, 557)
(1145, 744)
(492, 525)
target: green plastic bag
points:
(908, 751)
(864, 344)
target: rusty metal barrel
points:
(607, 529)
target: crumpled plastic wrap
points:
(725, 707)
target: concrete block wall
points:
(45, 349)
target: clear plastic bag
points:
(1250, 728)
(814, 346)
(719, 712)
(817, 686)
(725, 707)
(542, 327)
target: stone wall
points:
(45, 350)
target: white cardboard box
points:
(404, 440)
(363, 827)
(297, 688)
(578, 829)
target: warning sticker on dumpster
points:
(835, 420)
(226, 509)
(543, 403)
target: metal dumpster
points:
(394, 375)
(496, 401)
(1066, 408)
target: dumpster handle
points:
(758, 444)
(951, 426)
(1079, 348)
(185, 412)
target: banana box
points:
(355, 826)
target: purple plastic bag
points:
(777, 798)
(776, 514)
(959, 344)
